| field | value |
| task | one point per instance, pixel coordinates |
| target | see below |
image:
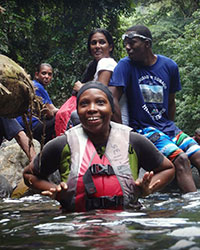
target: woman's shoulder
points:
(57, 144)
(137, 139)
(107, 60)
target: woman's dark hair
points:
(89, 72)
(96, 85)
(88, 75)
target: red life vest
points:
(96, 182)
(63, 115)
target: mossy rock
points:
(16, 89)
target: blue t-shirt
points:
(39, 91)
(147, 89)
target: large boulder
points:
(196, 177)
(13, 160)
(5, 187)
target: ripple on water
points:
(183, 244)
(171, 220)
(54, 228)
(186, 232)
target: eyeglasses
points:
(132, 35)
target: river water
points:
(166, 221)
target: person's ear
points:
(147, 44)
(110, 47)
(36, 75)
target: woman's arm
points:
(104, 76)
(43, 165)
(153, 161)
(156, 180)
(77, 86)
(44, 186)
(35, 182)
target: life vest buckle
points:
(95, 169)
(99, 169)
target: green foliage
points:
(53, 31)
(56, 31)
(186, 53)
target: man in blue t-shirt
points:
(43, 77)
(150, 82)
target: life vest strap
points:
(105, 202)
(95, 169)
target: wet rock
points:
(5, 187)
(13, 160)
(196, 177)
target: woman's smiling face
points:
(95, 112)
(99, 46)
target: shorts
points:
(171, 147)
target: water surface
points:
(166, 221)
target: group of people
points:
(124, 121)
(16, 128)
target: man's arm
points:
(12, 129)
(23, 140)
(51, 110)
(172, 106)
(117, 93)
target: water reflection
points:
(166, 221)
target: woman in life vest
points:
(98, 160)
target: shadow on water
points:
(166, 221)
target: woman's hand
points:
(145, 185)
(77, 86)
(54, 193)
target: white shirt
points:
(106, 63)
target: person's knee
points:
(182, 163)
